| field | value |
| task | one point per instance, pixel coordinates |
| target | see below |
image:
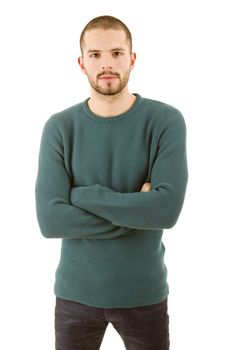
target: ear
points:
(81, 64)
(132, 60)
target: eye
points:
(117, 53)
(94, 55)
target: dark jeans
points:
(81, 327)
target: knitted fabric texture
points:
(90, 172)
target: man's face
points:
(106, 60)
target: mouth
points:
(108, 77)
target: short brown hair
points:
(106, 22)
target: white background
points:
(184, 58)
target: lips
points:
(108, 77)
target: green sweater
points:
(90, 173)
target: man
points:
(112, 175)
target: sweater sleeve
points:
(56, 215)
(159, 208)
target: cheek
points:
(124, 65)
(92, 68)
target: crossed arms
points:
(98, 212)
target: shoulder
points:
(164, 112)
(162, 107)
(64, 118)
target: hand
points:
(146, 187)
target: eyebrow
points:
(115, 49)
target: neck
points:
(110, 106)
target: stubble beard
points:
(110, 89)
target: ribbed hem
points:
(99, 118)
(119, 299)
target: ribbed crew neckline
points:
(100, 118)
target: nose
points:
(106, 65)
(107, 62)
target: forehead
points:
(100, 39)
